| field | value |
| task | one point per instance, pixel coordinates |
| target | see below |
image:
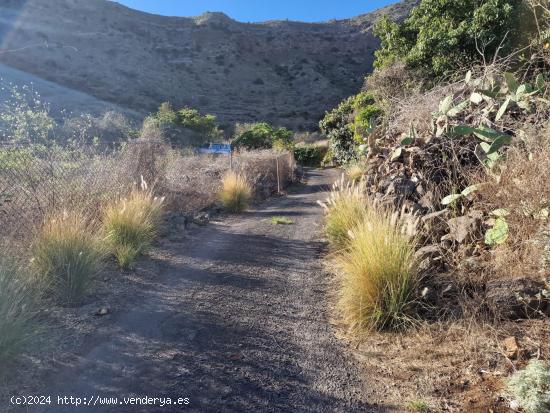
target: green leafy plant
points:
(263, 136)
(338, 128)
(499, 231)
(453, 198)
(531, 387)
(309, 155)
(440, 35)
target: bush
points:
(263, 136)
(310, 155)
(344, 210)
(441, 35)
(337, 127)
(187, 119)
(377, 274)
(236, 192)
(67, 255)
(365, 116)
(131, 225)
(16, 312)
(531, 387)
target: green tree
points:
(263, 136)
(440, 35)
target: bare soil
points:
(232, 315)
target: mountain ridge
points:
(283, 72)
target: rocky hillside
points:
(284, 72)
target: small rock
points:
(461, 228)
(102, 311)
(402, 186)
(201, 219)
(511, 348)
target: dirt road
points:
(232, 316)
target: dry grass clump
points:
(16, 312)
(131, 225)
(522, 190)
(236, 192)
(67, 254)
(355, 172)
(377, 274)
(344, 208)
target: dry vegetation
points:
(64, 209)
(469, 159)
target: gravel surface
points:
(234, 316)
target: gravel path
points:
(233, 316)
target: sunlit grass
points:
(131, 225)
(236, 192)
(377, 274)
(345, 208)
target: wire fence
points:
(36, 181)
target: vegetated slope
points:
(281, 71)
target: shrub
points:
(236, 192)
(336, 125)
(344, 210)
(67, 254)
(441, 35)
(310, 155)
(262, 136)
(531, 387)
(377, 273)
(16, 312)
(131, 225)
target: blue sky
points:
(261, 10)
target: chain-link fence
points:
(36, 181)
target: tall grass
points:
(236, 192)
(377, 271)
(355, 172)
(67, 254)
(131, 225)
(345, 208)
(17, 327)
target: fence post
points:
(278, 179)
(231, 160)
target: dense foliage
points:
(366, 116)
(441, 35)
(336, 126)
(349, 125)
(310, 155)
(263, 136)
(188, 118)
